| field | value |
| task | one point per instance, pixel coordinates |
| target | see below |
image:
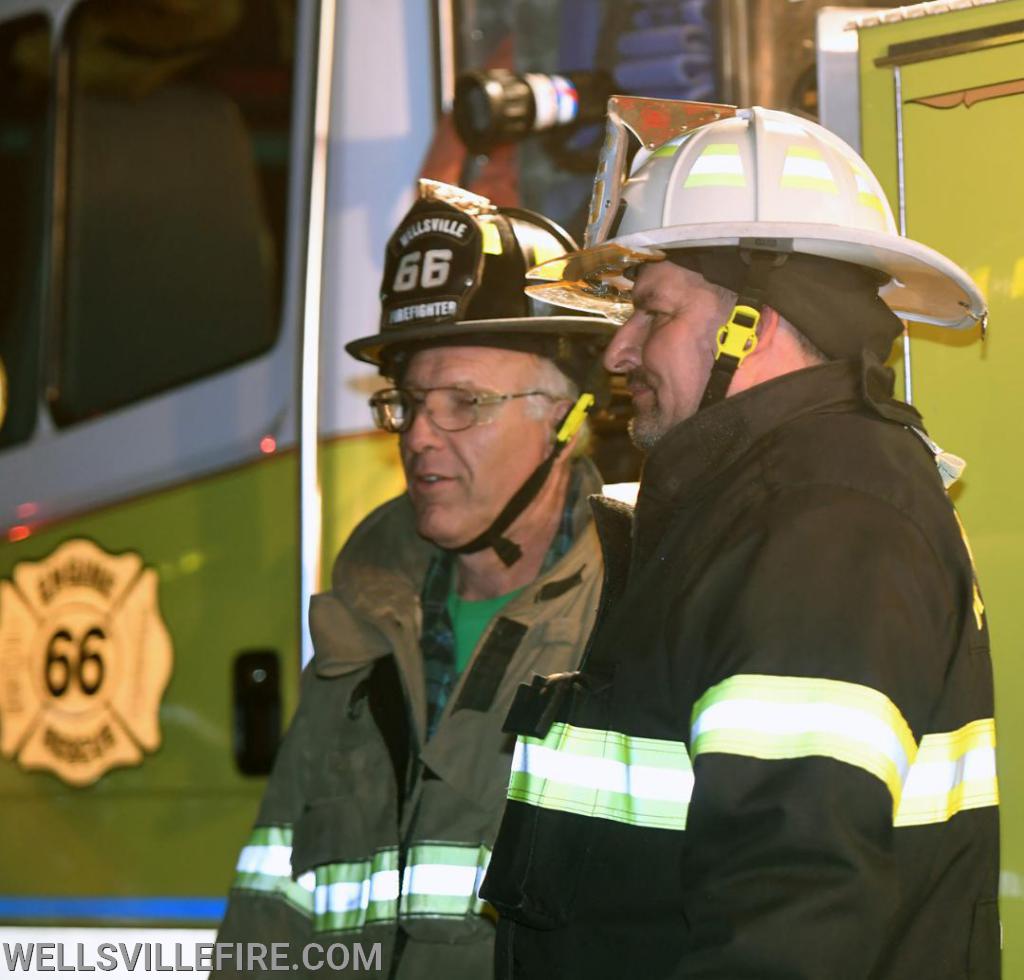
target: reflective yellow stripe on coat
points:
(648, 782)
(769, 717)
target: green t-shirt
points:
(470, 618)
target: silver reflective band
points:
(265, 865)
(340, 896)
(646, 782)
(354, 894)
(443, 880)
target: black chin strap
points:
(508, 551)
(737, 338)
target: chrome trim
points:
(901, 190)
(310, 513)
(58, 152)
(733, 49)
(901, 186)
(445, 27)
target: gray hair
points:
(549, 379)
(813, 353)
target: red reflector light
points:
(268, 444)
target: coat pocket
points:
(549, 829)
(983, 953)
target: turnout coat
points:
(777, 760)
(366, 833)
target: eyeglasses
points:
(451, 409)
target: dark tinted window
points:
(177, 153)
(661, 49)
(24, 100)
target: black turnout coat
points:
(777, 760)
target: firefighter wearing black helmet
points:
(387, 793)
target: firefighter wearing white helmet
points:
(778, 757)
(387, 793)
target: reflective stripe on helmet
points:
(805, 169)
(719, 165)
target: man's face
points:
(666, 347)
(460, 481)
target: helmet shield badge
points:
(453, 274)
(653, 122)
(595, 280)
(431, 269)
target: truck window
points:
(24, 98)
(178, 121)
(587, 49)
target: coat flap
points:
(342, 642)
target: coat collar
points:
(379, 574)
(695, 451)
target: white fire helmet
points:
(714, 176)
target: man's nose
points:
(623, 353)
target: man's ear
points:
(767, 329)
(756, 366)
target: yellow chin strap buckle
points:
(575, 418)
(738, 337)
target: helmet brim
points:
(581, 328)
(924, 285)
